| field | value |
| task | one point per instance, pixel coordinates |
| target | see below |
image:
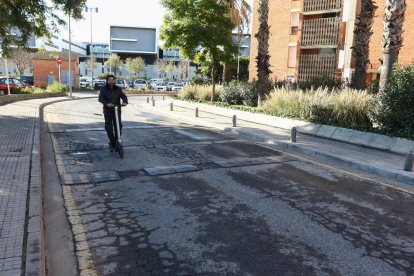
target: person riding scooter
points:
(111, 95)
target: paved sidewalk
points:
(376, 162)
(20, 187)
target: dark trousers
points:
(110, 125)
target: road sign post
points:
(59, 61)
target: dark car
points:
(99, 84)
(27, 80)
(131, 84)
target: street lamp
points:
(7, 72)
(90, 10)
(70, 57)
(238, 56)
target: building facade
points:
(314, 38)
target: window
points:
(292, 57)
(294, 23)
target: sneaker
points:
(111, 147)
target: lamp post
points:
(70, 58)
(238, 56)
(90, 10)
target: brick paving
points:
(17, 128)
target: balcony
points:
(320, 33)
(321, 6)
(316, 66)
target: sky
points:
(137, 13)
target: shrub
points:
(347, 108)
(199, 92)
(56, 88)
(394, 107)
(25, 90)
(321, 82)
(38, 90)
(237, 93)
(231, 94)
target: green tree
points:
(35, 17)
(239, 14)
(113, 62)
(135, 65)
(170, 68)
(199, 26)
(91, 64)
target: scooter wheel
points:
(121, 151)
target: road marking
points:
(83, 253)
(102, 129)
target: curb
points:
(294, 148)
(396, 145)
(35, 258)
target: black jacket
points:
(114, 96)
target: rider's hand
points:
(110, 105)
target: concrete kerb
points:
(382, 142)
(35, 246)
(298, 149)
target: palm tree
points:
(363, 32)
(263, 57)
(239, 12)
(393, 20)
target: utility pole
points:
(90, 10)
(70, 58)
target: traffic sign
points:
(59, 60)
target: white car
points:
(177, 87)
(140, 84)
(84, 82)
(152, 82)
(160, 86)
(121, 83)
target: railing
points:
(320, 32)
(321, 5)
(316, 66)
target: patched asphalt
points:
(187, 201)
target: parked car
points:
(177, 87)
(29, 80)
(152, 82)
(14, 85)
(170, 86)
(84, 82)
(140, 84)
(130, 84)
(121, 83)
(99, 84)
(160, 86)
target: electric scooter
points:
(118, 146)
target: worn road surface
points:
(186, 200)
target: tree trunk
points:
(389, 60)
(363, 33)
(263, 57)
(213, 76)
(394, 16)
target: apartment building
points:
(313, 38)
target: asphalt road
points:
(238, 209)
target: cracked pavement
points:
(236, 208)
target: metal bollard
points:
(234, 120)
(196, 112)
(171, 106)
(409, 162)
(153, 102)
(163, 98)
(293, 133)
(147, 99)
